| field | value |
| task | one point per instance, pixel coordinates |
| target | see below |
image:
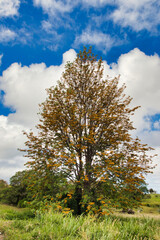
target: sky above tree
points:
(38, 37)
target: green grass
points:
(12, 213)
(152, 205)
(56, 226)
(154, 201)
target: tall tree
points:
(85, 132)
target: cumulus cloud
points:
(24, 89)
(12, 138)
(141, 73)
(11, 134)
(9, 8)
(154, 179)
(6, 35)
(102, 41)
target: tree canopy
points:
(85, 133)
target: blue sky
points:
(37, 38)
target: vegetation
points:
(16, 193)
(23, 224)
(151, 203)
(83, 155)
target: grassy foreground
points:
(20, 224)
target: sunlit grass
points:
(51, 225)
(154, 201)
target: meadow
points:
(23, 224)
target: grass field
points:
(152, 205)
(21, 224)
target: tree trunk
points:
(78, 198)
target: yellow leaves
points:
(63, 156)
(89, 207)
(111, 163)
(57, 165)
(91, 140)
(49, 165)
(99, 198)
(65, 212)
(102, 179)
(142, 176)
(59, 196)
(91, 203)
(69, 195)
(109, 168)
(103, 153)
(86, 178)
(105, 213)
(83, 148)
(59, 207)
(117, 175)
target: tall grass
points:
(57, 226)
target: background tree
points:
(16, 192)
(3, 184)
(85, 132)
(3, 189)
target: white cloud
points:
(52, 7)
(12, 136)
(1, 56)
(97, 3)
(6, 35)
(47, 26)
(157, 125)
(138, 15)
(102, 41)
(141, 74)
(9, 7)
(24, 89)
(154, 179)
